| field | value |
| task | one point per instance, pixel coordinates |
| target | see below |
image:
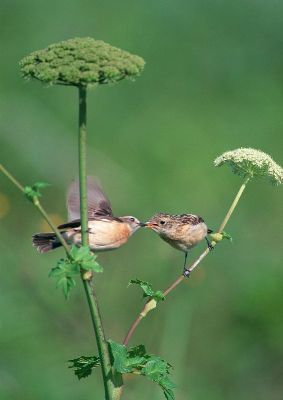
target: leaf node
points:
(147, 290)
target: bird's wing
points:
(97, 202)
(191, 219)
(76, 223)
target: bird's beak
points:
(142, 224)
(149, 225)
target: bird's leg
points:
(186, 272)
(185, 262)
(209, 245)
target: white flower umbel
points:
(252, 163)
(249, 163)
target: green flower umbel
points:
(252, 163)
(81, 62)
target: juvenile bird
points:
(106, 232)
(181, 231)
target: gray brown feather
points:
(45, 242)
(97, 202)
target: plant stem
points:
(234, 204)
(89, 290)
(133, 328)
(38, 205)
(12, 178)
(150, 304)
(82, 164)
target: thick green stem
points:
(90, 294)
(82, 164)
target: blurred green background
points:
(213, 82)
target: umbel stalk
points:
(89, 290)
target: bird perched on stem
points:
(106, 232)
(182, 231)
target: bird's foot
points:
(186, 273)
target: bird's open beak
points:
(150, 225)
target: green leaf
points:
(84, 365)
(136, 360)
(227, 236)
(85, 258)
(32, 192)
(67, 268)
(136, 356)
(64, 272)
(66, 283)
(79, 253)
(147, 290)
(157, 370)
(119, 356)
(40, 185)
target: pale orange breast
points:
(103, 235)
(106, 235)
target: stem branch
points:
(38, 205)
(180, 279)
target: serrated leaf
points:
(84, 365)
(32, 192)
(147, 290)
(136, 360)
(64, 272)
(66, 283)
(157, 370)
(40, 185)
(78, 253)
(91, 265)
(85, 258)
(119, 356)
(136, 356)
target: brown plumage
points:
(106, 232)
(182, 231)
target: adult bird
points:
(105, 231)
(182, 231)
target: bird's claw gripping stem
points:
(209, 244)
(186, 273)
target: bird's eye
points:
(162, 222)
(132, 219)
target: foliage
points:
(32, 192)
(81, 258)
(147, 290)
(85, 259)
(136, 360)
(81, 62)
(84, 365)
(217, 237)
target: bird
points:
(181, 231)
(105, 231)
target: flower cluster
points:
(250, 162)
(81, 62)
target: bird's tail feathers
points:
(44, 242)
